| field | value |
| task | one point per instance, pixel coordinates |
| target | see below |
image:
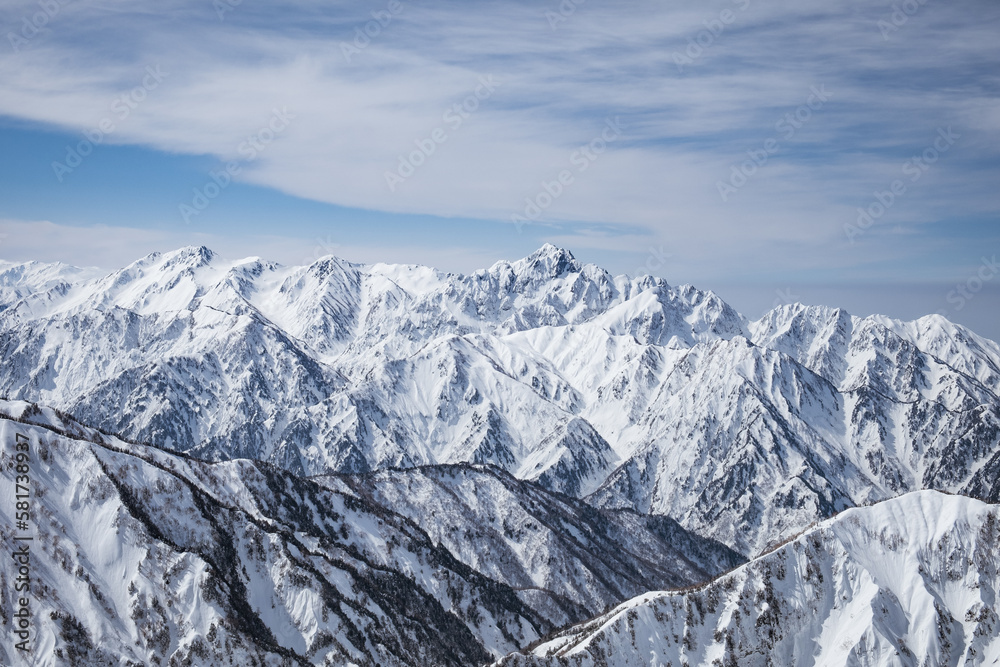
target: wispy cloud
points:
(686, 127)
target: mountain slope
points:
(910, 581)
(631, 393)
(314, 367)
(748, 441)
(21, 279)
(556, 551)
(143, 557)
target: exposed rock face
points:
(558, 552)
(142, 556)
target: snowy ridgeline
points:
(140, 556)
(629, 393)
(909, 581)
(143, 557)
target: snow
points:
(124, 547)
(912, 580)
(628, 394)
(633, 393)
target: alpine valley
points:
(239, 462)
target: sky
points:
(842, 153)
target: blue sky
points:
(726, 144)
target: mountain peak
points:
(549, 250)
(201, 255)
(550, 261)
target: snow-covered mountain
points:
(21, 279)
(909, 581)
(559, 553)
(142, 556)
(630, 393)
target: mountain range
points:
(909, 581)
(630, 393)
(140, 556)
(388, 464)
